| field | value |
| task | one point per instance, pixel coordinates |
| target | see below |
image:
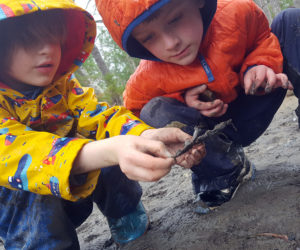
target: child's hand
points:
(147, 158)
(174, 139)
(213, 108)
(141, 158)
(261, 80)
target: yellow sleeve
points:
(39, 162)
(97, 120)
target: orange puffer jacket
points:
(237, 36)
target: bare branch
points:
(197, 138)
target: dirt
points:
(264, 214)
(268, 204)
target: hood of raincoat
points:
(122, 16)
(80, 26)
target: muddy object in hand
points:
(207, 96)
(198, 137)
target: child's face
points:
(175, 34)
(35, 66)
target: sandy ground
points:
(264, 214)
(269, 204)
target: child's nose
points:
(171, 41)
(46, 48)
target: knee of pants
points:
(253, 114)
(162, 111)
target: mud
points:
(264, 214)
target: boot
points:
(130, 226)
(221, 172)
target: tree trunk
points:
(100, 62)
(84, 73)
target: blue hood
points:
(135, 49)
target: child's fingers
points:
(215, 111)
(198, 153)
(200, 105)
(223, 111)
(145, 167)
(192, 96)
(197, 104)
(276, 81)
(265, 79)
(140, 173)
(271, 81)
(283, 81)
(197, 90)
(192, 157)
(154, 148)
(249, 82)
(259, 77)
(209, 105)
(169, 136)
(187, 160)
(262, 80)
(290, 85)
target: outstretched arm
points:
(144, 158)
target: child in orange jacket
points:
(61, 149)
(204, 62)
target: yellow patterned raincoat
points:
(41, 136)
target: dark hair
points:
(28, 31)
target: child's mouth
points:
(182, 53)
(45, 68)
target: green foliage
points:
(272, 12)
(285, 4)
(116, 58)
(92, 74)
(113, 91)
(121, 66)
(276, 6)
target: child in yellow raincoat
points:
(55, 136)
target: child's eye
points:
(175, 19)
(146, 39)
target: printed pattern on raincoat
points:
(237, 37)
(41, 137)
